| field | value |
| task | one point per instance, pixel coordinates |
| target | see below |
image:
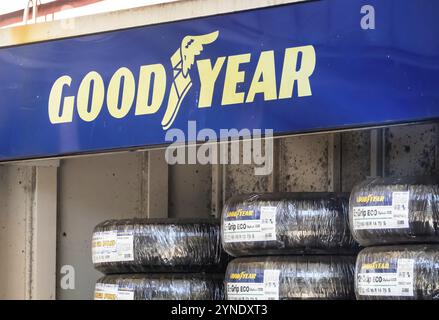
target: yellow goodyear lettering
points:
(234, 77)
(376, 265)
(97, 244)
(110, 296)
(240, 213)
(97, 96)
(208, 77)
(99, 295)
(109, 243)
(146, 86)
(56, 114)
(300, 76)
(148, 92)
(120, 109)
(264, 78)
(370, 198)
(242, 275)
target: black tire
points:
(163, 286)
(300, 277)
(165, 245)
(419, 226)
(306, 223)
(425, 266)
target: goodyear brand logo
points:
(376, 265)
(242, 275)
(145, 91)
(370, 198)
(240, 213)
(182, 60)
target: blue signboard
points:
(312, 66)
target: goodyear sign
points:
(365, 199)
(244, 276)
(151, 84)
(302, 67)
(380, 267)
(242, 214)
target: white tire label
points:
(125, 294)
(105, 291)
(387, 211)
(113, 246)
(393, 279)
(250, 225)
(262, 285)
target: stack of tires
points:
(289, 246)
(398, 220)
(150, 259)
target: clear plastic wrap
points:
(158, 245)
(160, 286)
(287, 223)
(395, 210)
(291, 278)
(408, 272)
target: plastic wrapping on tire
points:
(416, 224)
(300, 277)
(421, 277)
(160, 286)
(163, 245)
(305, 223)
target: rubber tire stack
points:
(300, 244)
(162, 286)
(398, 220)
(300, 277)
(159, 259)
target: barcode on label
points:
(405, 290)
(401, 222)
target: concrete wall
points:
(91, 190)
(16, 189)
(413, 148)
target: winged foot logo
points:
(182, 60)
(147, 93)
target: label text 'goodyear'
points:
(144, 90)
